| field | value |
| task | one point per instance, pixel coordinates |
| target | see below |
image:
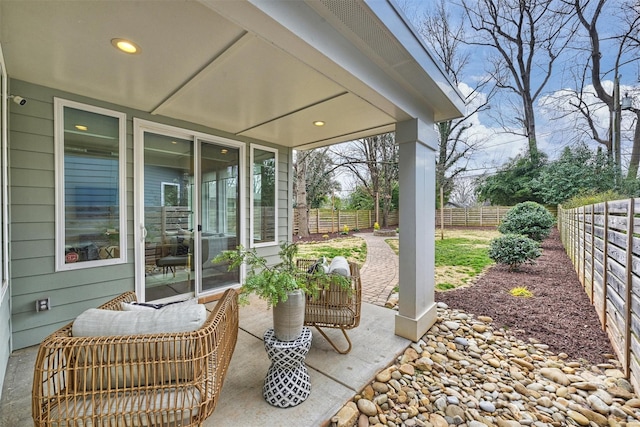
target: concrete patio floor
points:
(335, 378)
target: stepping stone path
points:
(465, 373)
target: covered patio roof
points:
(258, 69)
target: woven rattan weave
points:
(334, 306)
(169, 379)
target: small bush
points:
(521, 291)
(514, 250)
(376, 226)
(345, 230)
(530, 219)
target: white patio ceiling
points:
(260, 69)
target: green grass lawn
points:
(460, 257)
(352, 248)
(459, 260)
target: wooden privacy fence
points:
(480, 216)
(603, 245)
(332, 221)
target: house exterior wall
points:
(5, 336)
(32, 216)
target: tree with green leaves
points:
(360, 199)
(513, 183)
(577, 171)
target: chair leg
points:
(344, 332)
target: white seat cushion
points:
(339, 265)
(173, 318)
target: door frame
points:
(4, 180)
(140, 126)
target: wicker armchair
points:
(334, 306)
(167, 379)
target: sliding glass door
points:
(168, 216)
(189, 212)
(219, 210)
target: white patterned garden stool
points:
(287, 381)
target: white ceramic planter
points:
(288, 317)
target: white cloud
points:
(495, 145)
(565, 126)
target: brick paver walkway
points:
(380, 271)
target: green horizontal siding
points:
(32, 215)
(5, 335)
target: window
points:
(90, 186)
(264, 195)
(170, 194)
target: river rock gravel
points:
(465, 373)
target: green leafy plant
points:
(521, 291)
(345, 230)
(591, 198)
(273, 283)
(528, 218)
(514, 250)
(376, 226)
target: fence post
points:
(584, 247)
(629, 270)
(357, 220)
(480, 216)
(593, 251)
(605, 275)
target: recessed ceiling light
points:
(81, 127)
(224, 151)
(126, 46)
(318, 123)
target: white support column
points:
(416, 307)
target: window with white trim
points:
(264, 195)
(170, 194)
(90, 144)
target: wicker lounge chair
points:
(163, 379)
(334, 306)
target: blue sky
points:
(553, 133)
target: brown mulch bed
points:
(559, 314)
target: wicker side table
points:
(287, 382)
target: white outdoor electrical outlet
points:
(43, 304)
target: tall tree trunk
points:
(635, 152)
(301, 195)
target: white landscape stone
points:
(456, 375)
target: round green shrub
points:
(528, 218)
(514, 250)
